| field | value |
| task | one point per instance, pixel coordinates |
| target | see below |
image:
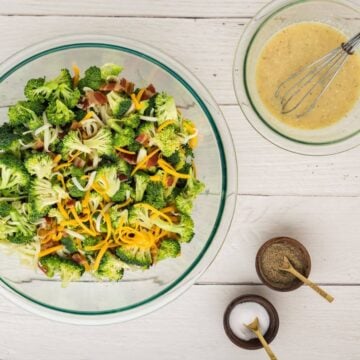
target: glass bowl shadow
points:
(88, 301)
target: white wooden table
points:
(314, 199)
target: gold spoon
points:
(255, 328)
(287, 266)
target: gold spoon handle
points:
(265, 345)
(308, 282)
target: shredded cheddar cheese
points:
(76, 77)
(170, 170)
(50, 250)
(165, 124)
(144, 161)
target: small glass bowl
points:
(339, 137)
(93, 302)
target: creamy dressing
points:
(294, 47)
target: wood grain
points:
(155, 8)
(191, 328)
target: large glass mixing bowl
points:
(88, 301)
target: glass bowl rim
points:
(227, 160)
(241, 88)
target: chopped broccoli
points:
(39, 164)
(178, 159)
(123, 167)
(58, 113)
(119, 104)
(67, 95)
(124, 138)
(147, 128)
(72, 142)
(57, 88)
(110, 268)
(67, 269)
(117, 214)
(135, 146)
(193, 186)
(134, 255)
(167, 140)
(95, 200)
(19, 238)
(110, 72)
(184, 204)
(140, 215)
(89, 241)
(124, 193)
(9, 140)
(154, 195)
(185, 229)
(22, 114)
(107, 177)
(165, 108)
(31, 85)
(92, 78)
(141, 182)
(13, 175)
(73, 190)
(101, 142)
(79, 114)
(43, 194)
(5, 208)
(169, 248)
(148, 106)
(69, 244)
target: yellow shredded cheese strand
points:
(57, 158)
(140, 94)
(88, 116)
(125, 151)
(165, 124)
(109, 226)
(170, 170)
(144, 161)
(99, 257)
(62, 210)
(76, 217)
(135, 102)
(76, 77)
(50, 250)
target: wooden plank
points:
(206, 47)
(263, 168)
(157, 8)
(327, 226)
(191, 328)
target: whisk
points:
(302, 90)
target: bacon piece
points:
(122, 177)
(129, 158)
(142, 139)
(38, 145)
(121, 85)
(79, 258)
(152, 161)
(169, 181)
(96, 98)
(79, 162)
(149, 92)
(75, 125)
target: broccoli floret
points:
(6, 228)
(21, 114)
(147, 107)
(67, 269)
(167, 140)
(165, 108)
(36, 106)
(178, 159)
(90, 241)
(132, 121)
(9, 141)
(54, 88)
(184, 204)
(107, 177)
(185, 229)
(92, 78)
(124, 193)
(134, 255)
(123, 167)
(67, 95)
(140, 215)
(31, 85)
(13, 175)
(79, 114)
(169, 248)
(110, 71)
(141, 182)
(110, 268)
(5, 208)
(58, 113)
(135, 146)
(116, 214)
(19, 238)
(72, 142)
(69, 244)
(95, 200)
(193, 186)
(43, 195)
(39, 164)
(154, 195)
(147, 128)
(119, 104)
(101, 142)
(73, 190)
(124, 138)
(76, 172)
